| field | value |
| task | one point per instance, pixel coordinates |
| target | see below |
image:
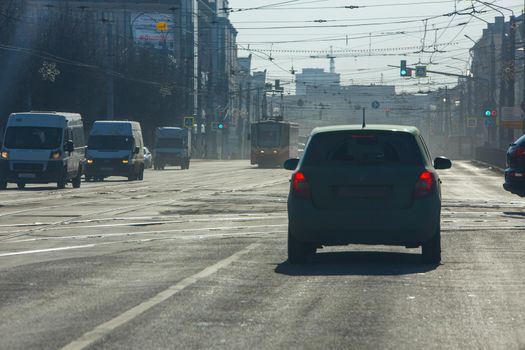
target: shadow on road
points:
(357, 263)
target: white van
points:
(42, 147)
(115, 148)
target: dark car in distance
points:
(365, 185)
(515, 171)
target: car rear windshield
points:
(362, 147)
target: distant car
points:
(371, 185)
(148, 158)
(515, 171)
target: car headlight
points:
(274, 151)
(56, 155)
(89, 161)
(5, 155)
(262, 151)
(125, 161)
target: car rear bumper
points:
(515, 181)
(405, 227)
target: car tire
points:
(3, 185)
(21, 185)
(431, 249)
(298, 252)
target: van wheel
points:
(431, 250)
(61, 183)
(3, 185)
(20, 185)
(77, 180)
(298, 252)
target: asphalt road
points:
(196, 259)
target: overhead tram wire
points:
(345, 38)
(349, 7)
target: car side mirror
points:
(291, 164)
(442, 163)
(69, 146)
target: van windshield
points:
(33, 137)
(110, 142)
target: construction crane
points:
(330, 56)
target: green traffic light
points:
(220, 126)
(403, 72)
(488, 113)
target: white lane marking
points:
(25, 252)
(106, 328)
(116, 234)
(145, 240)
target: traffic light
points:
(403, 70)
(222, 125)
(490, 112)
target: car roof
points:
(371, 127)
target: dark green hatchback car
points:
(365, 185)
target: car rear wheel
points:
(431, 250)
(298, 252)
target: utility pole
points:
(110, 98)
(491, 130)
(447, 113)
(523, 87)
(508, 72)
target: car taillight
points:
(300, 186)
(519, 152)
(425, 184)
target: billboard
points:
(156, 30)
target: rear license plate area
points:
(363, 191)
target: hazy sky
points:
(365, 39)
